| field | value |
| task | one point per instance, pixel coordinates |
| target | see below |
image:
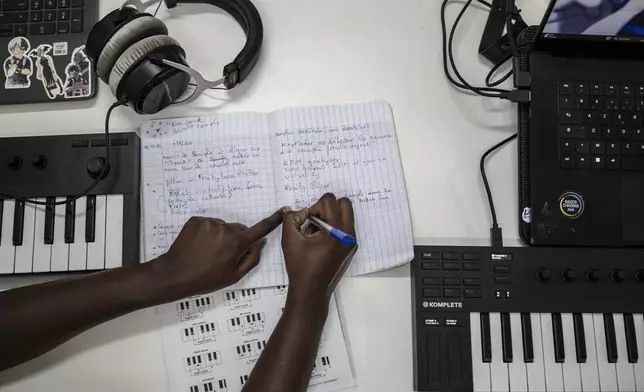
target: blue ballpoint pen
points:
(344, 238)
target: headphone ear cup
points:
(128, 35)
(134, 54)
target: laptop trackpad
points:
(633, 207)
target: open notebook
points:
(242, 167)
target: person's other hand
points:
(210, 254)
(314, 261)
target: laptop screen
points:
(600, 20)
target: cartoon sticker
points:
(526, 215)
(46, 71)
(79, 79)
(18, 66)
(571, 205)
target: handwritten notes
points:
(242, 167)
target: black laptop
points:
(586, 137)
(44, 55)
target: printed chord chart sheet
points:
(211, 342)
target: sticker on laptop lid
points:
(60, 48)
(78, 82)
(526, 215)
(571, 204)
(18, 67)
(46, 71)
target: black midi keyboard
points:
(97, 231)
(528, 319)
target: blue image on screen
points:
(611, 18)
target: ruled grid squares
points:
(187, 169)
(362, 164)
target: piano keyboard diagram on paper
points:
(211, 342)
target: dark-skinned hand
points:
(314, 260)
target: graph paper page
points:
(218, 167)
(352, 151)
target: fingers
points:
(251, 258)
(346, 216)
(262, 228)
(327, 209)
(293, 222)
(238, 226)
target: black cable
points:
(495, 223)
(488, 78)
(510, 16)
(96, 181)
(158, 7)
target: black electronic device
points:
(147, 69)
(97, 231)
(45, 58)
(581, 143)
(532, 318)
(495, 46)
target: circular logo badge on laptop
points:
(571, 205)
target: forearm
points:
(35, 319)
(287, 361)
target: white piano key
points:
(638, 320)
(517, 368)
(114, 232)
(625, 375)
(96, 249)
(553, 370)
(607, 371)
(498, 369)
(60, 249)
(536, 370)
(25, 252)
(42, 251)
(480, 369)
(78, 249)
(7, 250)
(571, 370)
(589, 369)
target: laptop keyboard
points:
(600, 126)
(40, 17)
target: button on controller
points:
(542, 275)
(95, 167)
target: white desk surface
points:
(318, 52)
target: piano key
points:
(486, 339)
(90, 219)
(553, 370)
(114, 232)
(557, 336)
(60, 249)
(498, 369)
(96, 249)
(42, 250)
(638, 322)
(535, 369)
(631, 338)
(506, 337)
(589, 369)
(517, 368)
(526, 337)
(480, 369)
(611, 342)
(7, 250)
(607, 371)
(625, 375)
(48, 222)
(571, 370)
(580, 338)
(25, 252)
(18, 223)
(78, 249)
(70, 220)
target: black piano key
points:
(70, 220)
(631, 339)
(18, 222)
(486, 337)
(49, 220)
(1, 213)
(90, 219)
(526, 331)
(611, 339)
(506, 337)
(557, 334)
(580, 338)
